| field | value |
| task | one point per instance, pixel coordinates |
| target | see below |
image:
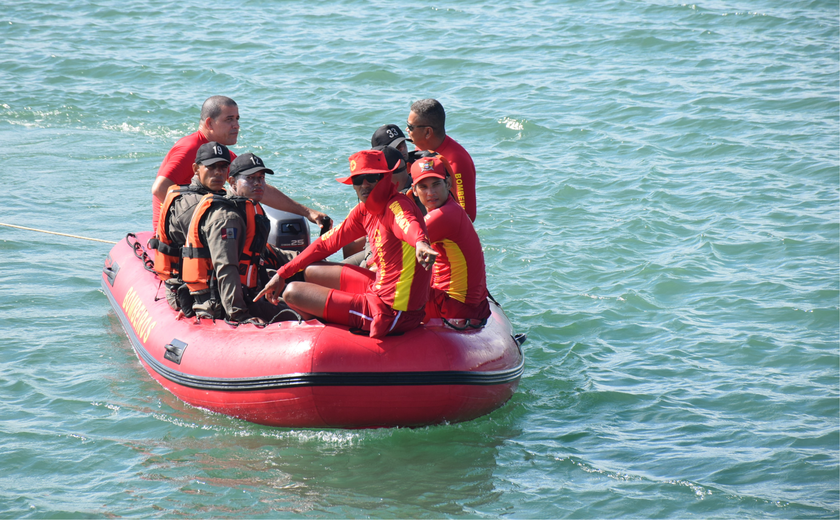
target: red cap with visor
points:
(432, 166)
(367, 161)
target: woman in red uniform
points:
(392, 299)
(459, 285)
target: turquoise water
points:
(658, 198)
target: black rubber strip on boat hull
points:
(317, 379)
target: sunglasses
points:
(410, 127)
(372, 178)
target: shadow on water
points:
(253, 470)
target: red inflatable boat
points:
(312, 374)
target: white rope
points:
(59, 234)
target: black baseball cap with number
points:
(246, 164)
(392, 156)
(387, 135)
(211, 153)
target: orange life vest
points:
(198, 270)
(167, 251)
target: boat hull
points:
(312, 374)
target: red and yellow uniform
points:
(463, 174)
(394, 299)
(459, 284)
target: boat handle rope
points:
(139, 252)
(298, 316)
(252, 321)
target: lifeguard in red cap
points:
(459, 284)
(391, 300)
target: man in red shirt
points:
(219, 122)
(358, 251)
(426, 129)
(391, 300)
(459, 285)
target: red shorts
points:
(356, 279)
(441, 305)
(353, 305)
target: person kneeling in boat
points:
(459, 285)
(390, 301)
(224, 244)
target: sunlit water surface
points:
(658, 204)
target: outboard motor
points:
(288, 231)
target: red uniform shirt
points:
(463, 174)
(459, 269)
(400, 281)
(177, 166)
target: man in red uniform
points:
(358, 251)
(391, 300)
(219, 122)
(459, 285)
(426, 129)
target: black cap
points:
(211, 153)
(387, 135)
(392, 155)
(246, 164)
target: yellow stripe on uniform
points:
(403, 289)
(457, 271)
(399, 216)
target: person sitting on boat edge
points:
(426, 128)
(210, 169)
(358, 252)
(221, 257)
(219, 122)
(390, 301)
(459, 280)
(247, 179)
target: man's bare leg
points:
(308, 299)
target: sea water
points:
(657, 202)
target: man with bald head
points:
(219, 122)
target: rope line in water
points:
(59, 234)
